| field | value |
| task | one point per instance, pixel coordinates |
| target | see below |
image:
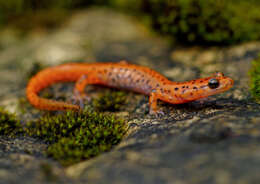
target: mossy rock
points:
(75, 136)
(205, 21)
(110, 101)
(255, 79)
(9, 125)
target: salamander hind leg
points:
(153, 105)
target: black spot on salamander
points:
(147, 82)
(183, 86)
(161, 89)
(201, 81)
(169, 91)
(142, 80)
(157, 85)
(138, 80)
(176, 89)
(187, 87)
(195, 87)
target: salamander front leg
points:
(79, 94)
(153, 105)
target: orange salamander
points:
(122, 75)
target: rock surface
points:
(215, 141)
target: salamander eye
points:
(213, 83)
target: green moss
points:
(9, 125)
(23, 105)
(76, 136)
(255, 79)
(110, 101)
(205, 21)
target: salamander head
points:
(199, 88)
(204, 87)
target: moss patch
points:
(77, 136)
(205, 21)
(110, 101)
(72, 136)
(255, 79)
(9, 125)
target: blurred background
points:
(210, 22)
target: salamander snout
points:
(226, 83)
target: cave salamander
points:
(122, 75)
